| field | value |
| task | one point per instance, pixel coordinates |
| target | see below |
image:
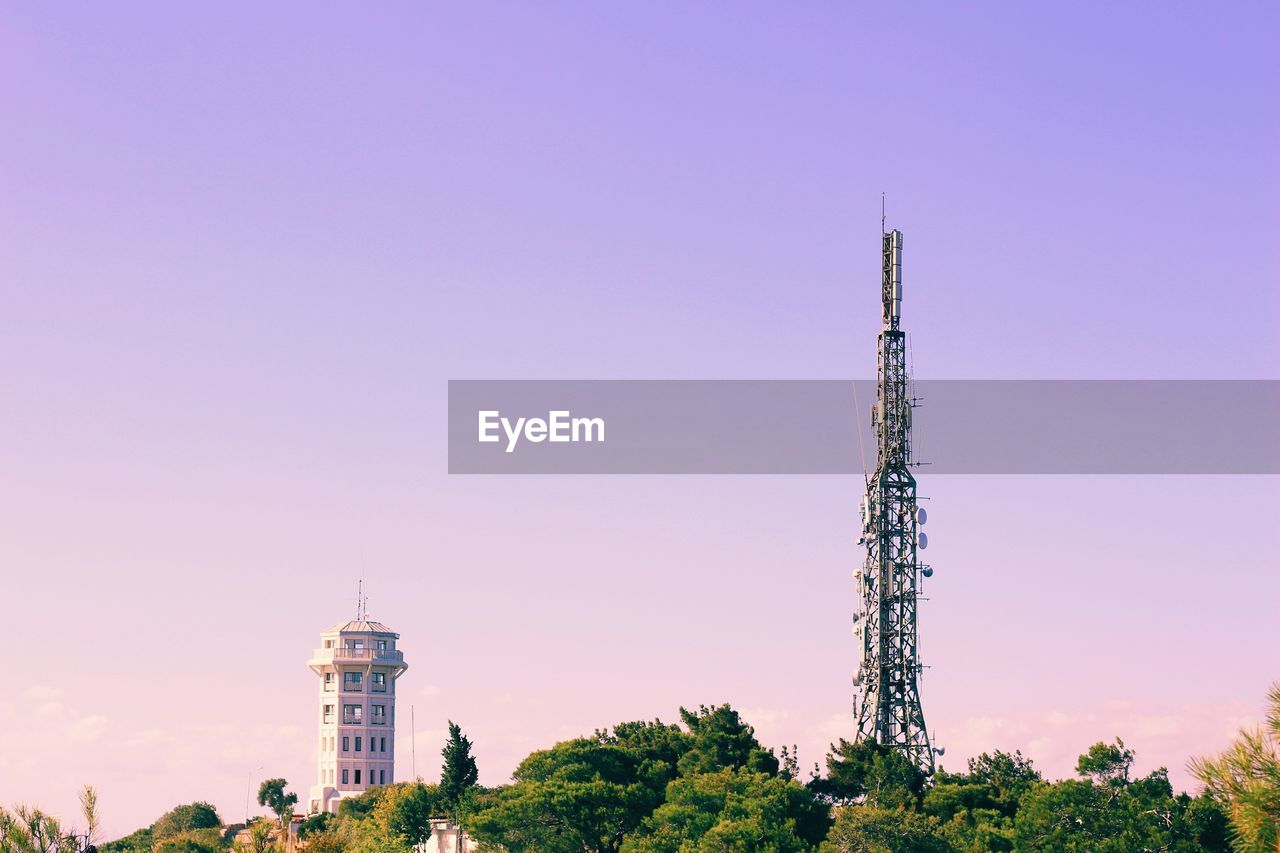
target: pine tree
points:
(459, 773)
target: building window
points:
(345, 771)
(352, 681)
(328, 713)
(357, 775)
(346, 743)
(383, 747)
(328, 681)
(382, 645)
(352, 714)
(378, 682)
(379, 715)
(382, 777)
(328, 644)
(358, 742)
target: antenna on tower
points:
(359, 598)
(882, 219)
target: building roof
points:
(360, 626)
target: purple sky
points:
(242, 250)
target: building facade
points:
(358, 664)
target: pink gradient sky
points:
(243, 249)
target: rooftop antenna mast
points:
(887, 697)
(360, 600)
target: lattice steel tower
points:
(887, 706)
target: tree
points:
(1108, 812)
(408, 809)
(89, 811)
(28, 830)
(1245, 779)
(258, 837)
(459, 773)
(183, 818)
(271, 794)
(732, 809)
(584, 794)
(720, 739)
(868, 829)
(1106, 763)
(872, 773)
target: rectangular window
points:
(382, 645)
(352, 714)
(382, 777)
(378, 682)
(328, 681)
(384, 745)
(345, 771)
(346, 743)
(379, 715)
(357, 776)
(328, 713)
(358, 742)
(352, 680)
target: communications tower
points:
(887, 704)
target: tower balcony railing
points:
(346, 653)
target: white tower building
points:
(358, 664)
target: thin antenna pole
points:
(882, 219)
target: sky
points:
(244, 248)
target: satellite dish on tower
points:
(921, 515)
(922, 540)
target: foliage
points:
(271, 794)
(89, 811)
(315, 825)
(1108, 812)
(870, 773)
(258, 837)
(28, 830)
(720, 739)
(870, 829)
(1107, 763)
(580, 795)
(733, 809)
(192, 841)
(179, 819)
(459, 773)
(1245, 779)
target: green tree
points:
(871, 773)
(1245, 779)
(459, 773)
(29, 830)
(976, 809)
(409, 809)
(271, 793)
(720, 739)
(1107, 763)
(584, 794)
(198, 815)
(89, 811)
(732, 809)
(191, 841)
(868, 829)
(1108, 812)
(257, 837)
